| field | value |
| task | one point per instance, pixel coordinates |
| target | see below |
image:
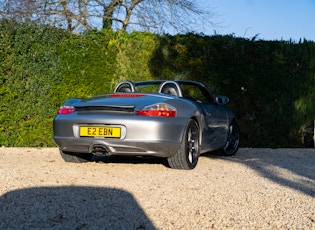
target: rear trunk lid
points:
(119, 102)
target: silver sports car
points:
(178, 120)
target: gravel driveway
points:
(255, 189)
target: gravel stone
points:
(255, 189)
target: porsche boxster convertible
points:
(177, 120)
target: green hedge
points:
(270, 83)
(29, 69)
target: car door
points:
(217, 125)
(214, 117)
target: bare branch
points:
(80, 15)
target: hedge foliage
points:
(270, 83)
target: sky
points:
(268, 19)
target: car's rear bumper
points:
(117, 147)
(139, 135)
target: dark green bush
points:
(270, 83)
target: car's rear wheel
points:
(233, 140)
(75, 157)
(187, 156)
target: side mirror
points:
(222, 100)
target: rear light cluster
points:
(158, 110)
(66, 109)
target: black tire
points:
(75, 157)
(233, 140)
(188, 154)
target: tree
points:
(20, 10)
(80, 15)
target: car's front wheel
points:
(233, 140)
(187, 156)
(75, 157)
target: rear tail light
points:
(66, 109)
(158, 110)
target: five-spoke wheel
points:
(233, 140)
(187, 156)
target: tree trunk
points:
(108, 14)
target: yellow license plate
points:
(93, 131)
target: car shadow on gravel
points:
(72, 207)
(293, 168)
